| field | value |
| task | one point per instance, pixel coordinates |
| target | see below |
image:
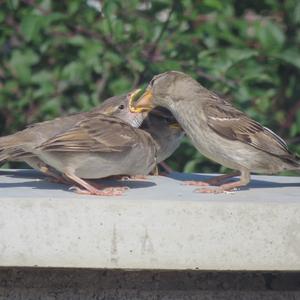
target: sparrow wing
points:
(232, 124)
(98, 133)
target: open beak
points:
(175, 125)
(143, 104)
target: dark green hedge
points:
(58, 57)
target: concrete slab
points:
(158, 224)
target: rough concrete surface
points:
(158, 224)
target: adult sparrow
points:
(217, 129)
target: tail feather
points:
(10, 149)
(293, 161)
(7, 141)
(5, 144)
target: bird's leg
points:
(102, 186)
(195, 183)
(91, 190)
(53, 176)
(218, 179)
(154, 172)
(133, 177)
(227, 187)
(127, 177)
(165, 166)
(214, 181)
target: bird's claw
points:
(135, 177)
(195, 183)
(218, 190)
(115, 191)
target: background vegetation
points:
(60, 57)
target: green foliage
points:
(59, 57)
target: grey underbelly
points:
(168, 146)
(94, 165)
(237, 155)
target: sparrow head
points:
(118, 106)
(165, 90)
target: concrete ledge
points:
(158, 224)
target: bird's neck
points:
(183, 112)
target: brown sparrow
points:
(103, 130)
(217, 129)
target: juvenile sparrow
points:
(19, 146)
(96, 147)
(165, 130)
(217, 129)
(88, 145)
(160, 124)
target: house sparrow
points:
(160, 123)
(95, 144)
(18, 146)
(165, 130)
(217, 129)
(96, 147)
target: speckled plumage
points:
(160, 123)
(100, 146)
(217, 129)
(95, 144)
(18, 146)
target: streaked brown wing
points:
(232, 124)
(99, 133)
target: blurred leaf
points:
(290, 56)
(191, 166)
(52, 107)
(296, 13)
(31, 25)
(73, 71)
(270, 36)
(13, 3)
(21, 63)
(213, 4)
(77, 40)
(120, 85)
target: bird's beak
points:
(175, 125)
(143, 104)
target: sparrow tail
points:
(9, 149)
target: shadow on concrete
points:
(44, 183)
(254, 183)
(24, 173)
(132, 184)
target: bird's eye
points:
(121, 106)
